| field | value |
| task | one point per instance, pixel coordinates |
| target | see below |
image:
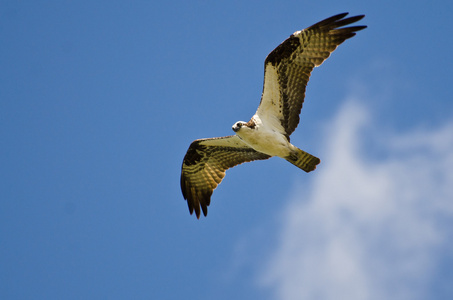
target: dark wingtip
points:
(205, 209)
(330, 20)
(193, 203)
(357, 28)
(197, 209)
(339, 20)
(338, 16)
(355, 18)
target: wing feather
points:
(288, 68)
(205, 164)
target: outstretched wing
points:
(205, 164)
(287, 69)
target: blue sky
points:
(99, 101)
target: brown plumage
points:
(205, 164)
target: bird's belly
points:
(269, 143)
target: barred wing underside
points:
(205, 164)
(288, 68)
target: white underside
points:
(266, 139)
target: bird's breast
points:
(266, 141)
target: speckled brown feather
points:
(205, 164)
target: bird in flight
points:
(287, 70)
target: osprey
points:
(286, 72)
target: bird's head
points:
(238, 125)
(250, 125)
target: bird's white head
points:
(238, 125)
(250, 125)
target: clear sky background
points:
(99, 101)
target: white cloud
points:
(370, 227)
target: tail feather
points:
(303, 160)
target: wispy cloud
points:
(372, 225)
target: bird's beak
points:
(236, 128)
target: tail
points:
(303, 160)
